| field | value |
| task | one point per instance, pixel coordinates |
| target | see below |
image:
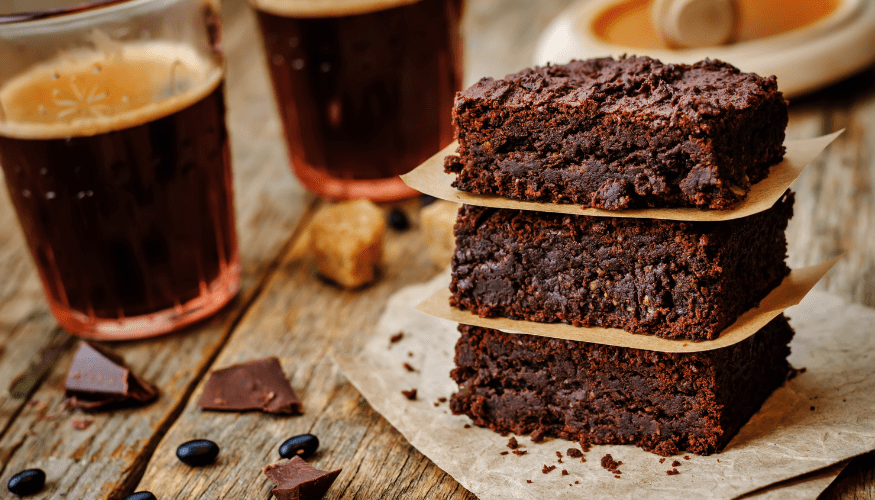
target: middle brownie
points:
(680, 280)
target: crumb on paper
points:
(548, 469)
(574, 453)
(409, 354)
(673, 472)
(467, 426)
(436, 404)
(686, 457)
(512, 443)
(610, 464)
(616, 476)
(409, 367)
(519, 453)
(564, 472)
(411, 394)
(505, 452)
(676, 464)
(576, 482)
(559, 456)
(584, 447)
(394, 339)
(442, 400)
(528, 480)
(662, 460)
(347, 241)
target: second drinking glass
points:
(364, 88)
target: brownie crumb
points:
(528, 480)
(81, 424)
(512, 443)
(675, 464)
(467, 426)
(564, 472)
(442, 400)
(610, 464)
(436, 404)
(409, 354)
(519, 452)
(505, 452)
(538, 435)
(409, 368)
(576, 482)
(548, 469)
(686, 457)
(396, 338)
(616, 476)
(559, 456)
(411, 394)
(574, 453)
(662, 460)
(584, 447)
(673, 472)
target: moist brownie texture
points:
(601, 394)
(618, 134)
(682, 280)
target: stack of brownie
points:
(618, 134)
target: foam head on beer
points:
(89, 92)
(326, 8)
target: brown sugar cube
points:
(347, 239)
(437, 222)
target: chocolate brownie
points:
(601, 394)
(673, 279)
(618, 134)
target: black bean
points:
(27, 482)
(198, 452)
(301, 446)
(141, 495)
(398, 220)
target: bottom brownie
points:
(600, 394)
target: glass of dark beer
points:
(116, 158)
(364, 88)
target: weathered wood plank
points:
(835, 202)
(106, 459)
(300, 319)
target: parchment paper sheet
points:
(835, 342)
(430, 179)
(788, 293)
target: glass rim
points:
(21, 17)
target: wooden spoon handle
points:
(695, 23)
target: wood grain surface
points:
(286, 310)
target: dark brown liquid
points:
(132, 221)
(366, 96)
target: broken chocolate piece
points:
(98, 378)
(296, 480)
(256, 385)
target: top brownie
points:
(617, 134)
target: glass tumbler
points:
(365, 88)
(116, 158)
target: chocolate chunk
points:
(296, 480)
(98, 378)
(256, 385)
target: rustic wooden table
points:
(284, 309)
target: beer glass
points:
(364, 88)
(115, 155)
